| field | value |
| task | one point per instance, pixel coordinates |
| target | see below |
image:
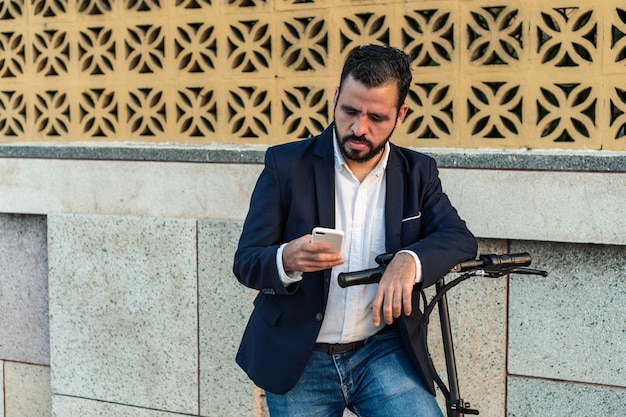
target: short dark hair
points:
(375, 65)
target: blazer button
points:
(319, 316)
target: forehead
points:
(356, 94)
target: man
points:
(314, 347)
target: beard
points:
(359, 156)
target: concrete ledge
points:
(548, 160)
(154, 189)
(557, 206)
(562, 206)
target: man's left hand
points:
(395, 290)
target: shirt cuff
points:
(418, 265)
(286, 278)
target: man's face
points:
(365, 119)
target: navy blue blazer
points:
(293, 194)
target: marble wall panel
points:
(570, 325)
(528, 397)
(123, 310)
(24, 289)
(73, 407)
(477, 310)
(26, 390)
(1, 387)
(225, 305)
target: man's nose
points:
(360, 126)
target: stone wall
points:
(117, 297)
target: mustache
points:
(354, 138)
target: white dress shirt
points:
(360, 213)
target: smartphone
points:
(332, 236)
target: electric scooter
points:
(491, 266)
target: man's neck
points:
(362, 169)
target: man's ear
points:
(401, 114)
(336, 97)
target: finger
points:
(389, 306)
(319, 261)
(326, 256)
(376, 308)
(397, 303)
(407, 301)
(318, 247)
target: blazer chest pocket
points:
(411, 228)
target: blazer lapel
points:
(324, 169)
(394, 202)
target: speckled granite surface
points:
(83, 407)
(26, 390)
(569, 325)
(123, 313)
(549, 398)
(23, 289)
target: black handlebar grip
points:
(494, 262)
(367, 276)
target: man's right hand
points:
(302, 255)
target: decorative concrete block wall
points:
(523, 74)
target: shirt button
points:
(319, 316)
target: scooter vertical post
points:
(448, 348)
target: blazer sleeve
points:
(445, 239)
(262, 234)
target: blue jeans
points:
(376, 380)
